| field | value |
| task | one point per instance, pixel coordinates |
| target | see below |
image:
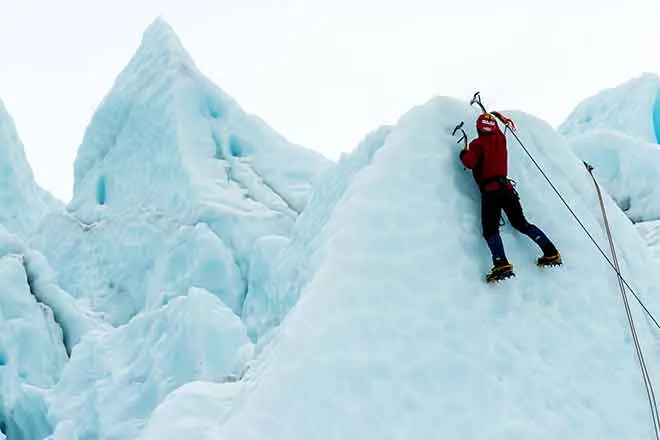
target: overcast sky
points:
(323, 73)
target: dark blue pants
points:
(507, 200)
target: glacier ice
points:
(617, 131)
(115, 378)
(197, 257)
(632, 108)
(626, 167)
(24, 203)
(650, 232)
(258, 308)
(33, 354)
(277, 286)
(39, 324)
(64, 431)
(396, 335)
(192, 411)
(243, 288)
(167, 151)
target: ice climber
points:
(486, 156)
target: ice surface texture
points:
(167, 161)
(116, 378)
(396, 335)
(39, 326)
(632, 108)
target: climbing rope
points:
(477, 100)
(586, 231)
(622, 284)
(614, 264)
(638, 349)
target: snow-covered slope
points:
(168, 149)
(632, 108)
(396, 336)
(23, 203)
(627, 168)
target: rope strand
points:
(622, 285)
(584, 228)
(638, 349)
(614, 264)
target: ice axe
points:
(476, 99)
(508, 123)
(463, 137)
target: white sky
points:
(322, 73)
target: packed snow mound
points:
(397, 336)
(24, 203)
(39, 325)
(167, 151)
(632, 108)
(281, 267)
(116, 378)
(191, 411)
(626, 167)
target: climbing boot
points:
(549, 260)
(500, 271)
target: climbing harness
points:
(623, 284)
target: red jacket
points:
(487, 158)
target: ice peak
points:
(160, 40)
(160, 33)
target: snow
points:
(396, 335)
(116, 378)
(167, 161)
(632, 108)
(626, 167)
